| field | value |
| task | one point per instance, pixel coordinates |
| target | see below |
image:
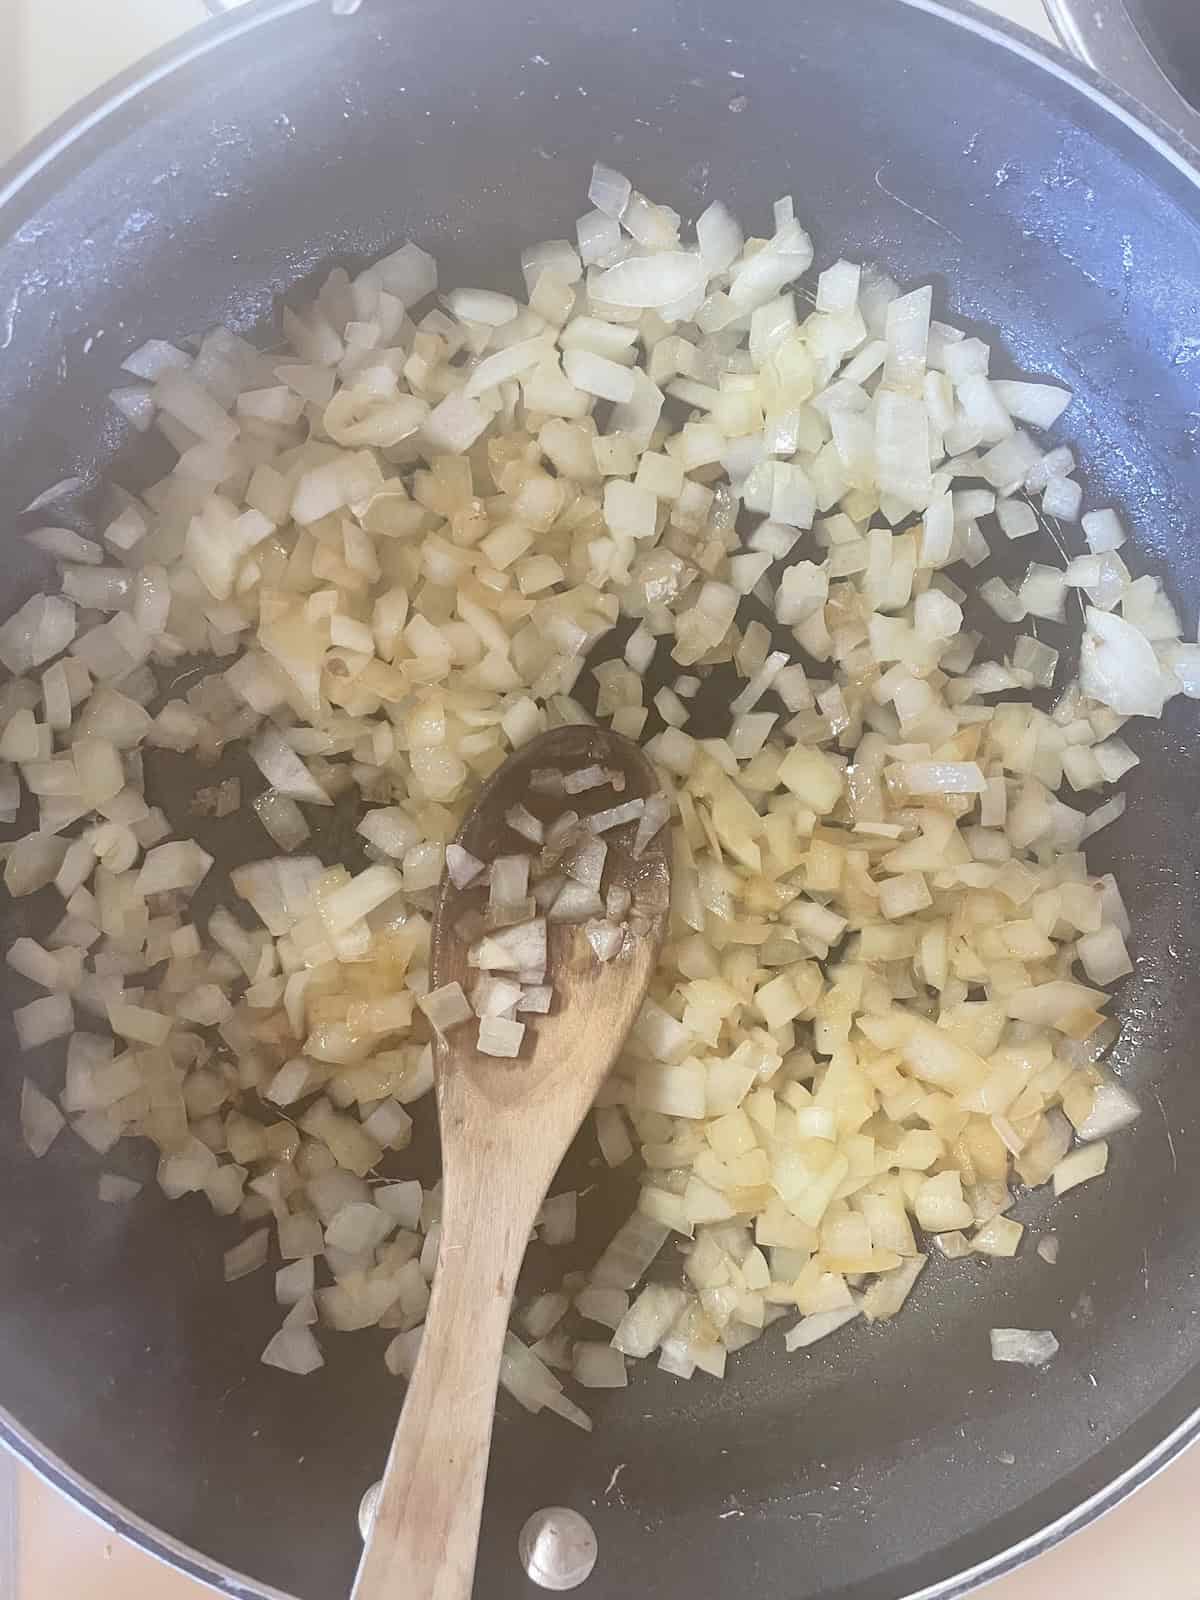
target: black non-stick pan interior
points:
(891, 1458)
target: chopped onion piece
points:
(152, 359)
(1113, 1108)
(557, 1218)
(944, 777)
(522, 821)
(357, 1227)
(544, 1314)
(43, 1020)
(584, 863)
(1103, 531)
(1103, 815)
(1103, 956)
(1020, 1345)
(1118, 667)
(284, 770)
(818, 1326)
(890, 1290)
(999, 1237)
(41, 1120)
(391, 831)
(536, 999)
(114, 1190)
(575, 902)
(596, 375)
(500, 1036)
(292, 1082)
(65, 545)
(462, 867)
(599, 1366)
(663, 279)
(605, 938)
(648, 1320)
(294, 1282)
(630, 1252)
(400, 1357)
(293, 1349)
(446, 1007)
(1040, 404)
(524, 1377)
(605, 1306)
(518, 949)
(509, 882)
(248, 1256)
(495, 997)
(616, 816)
(585, 778)
(282, 819)
(1089, 1161)
(609, 191)
(173, 866)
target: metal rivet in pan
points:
(557, 1548)
(366, 1509)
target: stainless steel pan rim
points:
(111, 1514)
(88, 1497)
(1103, 34)
(92, 111)
(90, 115)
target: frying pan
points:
(1054, 219)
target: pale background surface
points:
(1144, 1550)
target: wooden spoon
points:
(505, 1127)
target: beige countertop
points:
(1140, 1551)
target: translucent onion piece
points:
(1020, 1345)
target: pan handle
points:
(1103, 35)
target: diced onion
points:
(396, 551)
(819, 1326)
(293, 1349)
(248, 1256)
(609, 191)
(1113, 1108)
(599, 1366)
(645, 1324)
(446, 1007)
(43, 1020)
(1020, 1345)
(114, 1190)
(500, 1036)
(1089, 1161)
(41, 1120)
(1118, 667)
(557, 1218)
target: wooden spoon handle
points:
(423, 1541)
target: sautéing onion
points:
(390, 551)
